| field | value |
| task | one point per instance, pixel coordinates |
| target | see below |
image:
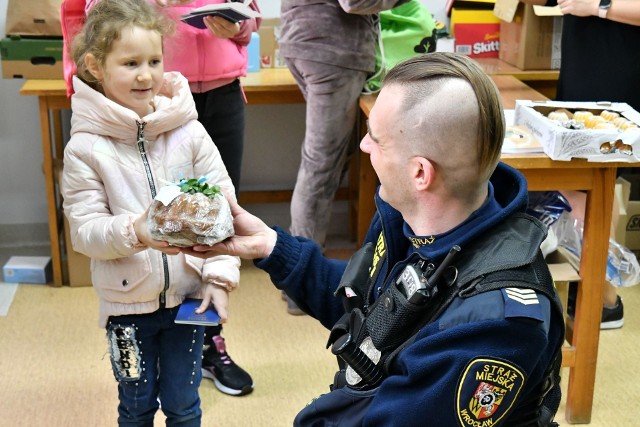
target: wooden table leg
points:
(588, 312)
(367, 188)
(58, 142)
(49, 180)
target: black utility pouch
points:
(391, 319)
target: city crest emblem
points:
(487, 390)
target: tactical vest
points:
(368, 338)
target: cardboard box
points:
(468, 4)
(269, 32)
(633, 177)
(632, 235)
(598, 145)
(31, 58)
(33, 18)
(78, 265)
(530, 36)
(476, 32)
(27, 269)
(563, 271)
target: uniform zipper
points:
(152, 187)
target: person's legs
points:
(332, 95)
(134, 351)
(180, 361)
(221, 112)
(613, 309)
(217, 366)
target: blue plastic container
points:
(253, 49)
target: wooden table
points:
(542, 173)
(543, 81)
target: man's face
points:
(382, 143)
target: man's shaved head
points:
(452, 114)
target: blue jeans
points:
(154, 358)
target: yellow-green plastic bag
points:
(405, 31)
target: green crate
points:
(35, 50)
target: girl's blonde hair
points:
(104, 25)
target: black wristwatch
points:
(604, 8)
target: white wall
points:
(22, 195)
(272, 149)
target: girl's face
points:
(133, 70)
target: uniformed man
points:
(448, 316)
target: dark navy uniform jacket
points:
(480, 360)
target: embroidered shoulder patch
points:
(486, 391)
(519, 302)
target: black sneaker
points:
(612, 318)
(228, 377)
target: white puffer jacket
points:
(105, 186)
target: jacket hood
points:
(96, 114)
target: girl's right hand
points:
(144, 237)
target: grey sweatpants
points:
(331, 94)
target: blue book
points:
(187, 314)
(233, 12)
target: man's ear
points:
(93, 66)
(423, 173)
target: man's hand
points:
(253, 238)
(220, 27)
(142, 232)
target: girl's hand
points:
(220, 27)
(144, 237)
(219, 298)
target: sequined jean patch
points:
(125, 353)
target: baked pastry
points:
(559, 116)
(581, 116)
(606, 148)
(624, 124)
(609, 115)
(605, 125)
(199, 214)
(592, 121)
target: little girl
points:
(134, 127)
